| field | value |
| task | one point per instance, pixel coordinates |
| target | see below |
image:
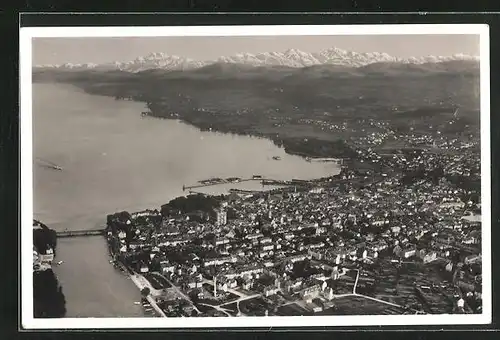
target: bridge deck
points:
(76, 233)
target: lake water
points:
(113, 160)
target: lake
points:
(113, 159)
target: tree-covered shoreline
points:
(48, 298)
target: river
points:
(113, 159)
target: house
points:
(265, 240)
(378, 223)
(134, 245)
(396, 230)
(398, 251)
(188, 309)
(220, 241)
(247, 285)
(167, 267)
(362, 253)
(48, 257)
(319, 277)
(144, 268)
(429, 257)
(318, 255)
(317, 309)
(223, 286)
(321, 230)
(310, 292)
(316, 245)
(409, 252)
(297, 258)
(244, 271)
(169, 229)
(472, 259)
(328, 294)
(270, 290)
(317, 190)
(470, 240)
(254, 236)
(230, 234)
(219, 260)
(338, 258)
(268, 247)
(269, 264)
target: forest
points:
(191, 203)
(48, 298)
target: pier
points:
(80, 233)
(223, 181)
(339, 161)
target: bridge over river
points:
(80, 233)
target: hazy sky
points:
(100, 50)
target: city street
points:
(184, 296)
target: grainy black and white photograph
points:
(323, 176)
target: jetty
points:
(219, 181)
(339, 161)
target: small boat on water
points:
(277, 158)
(137, 303)
(59, 262)
(49, 164)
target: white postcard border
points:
(26, 140)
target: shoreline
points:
(305, 147)
(118, 265)
(289, 144)
(138, 280)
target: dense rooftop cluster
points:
(375, 242)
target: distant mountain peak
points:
(292, 57)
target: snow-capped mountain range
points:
(290, 58)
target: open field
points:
(359, 305)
